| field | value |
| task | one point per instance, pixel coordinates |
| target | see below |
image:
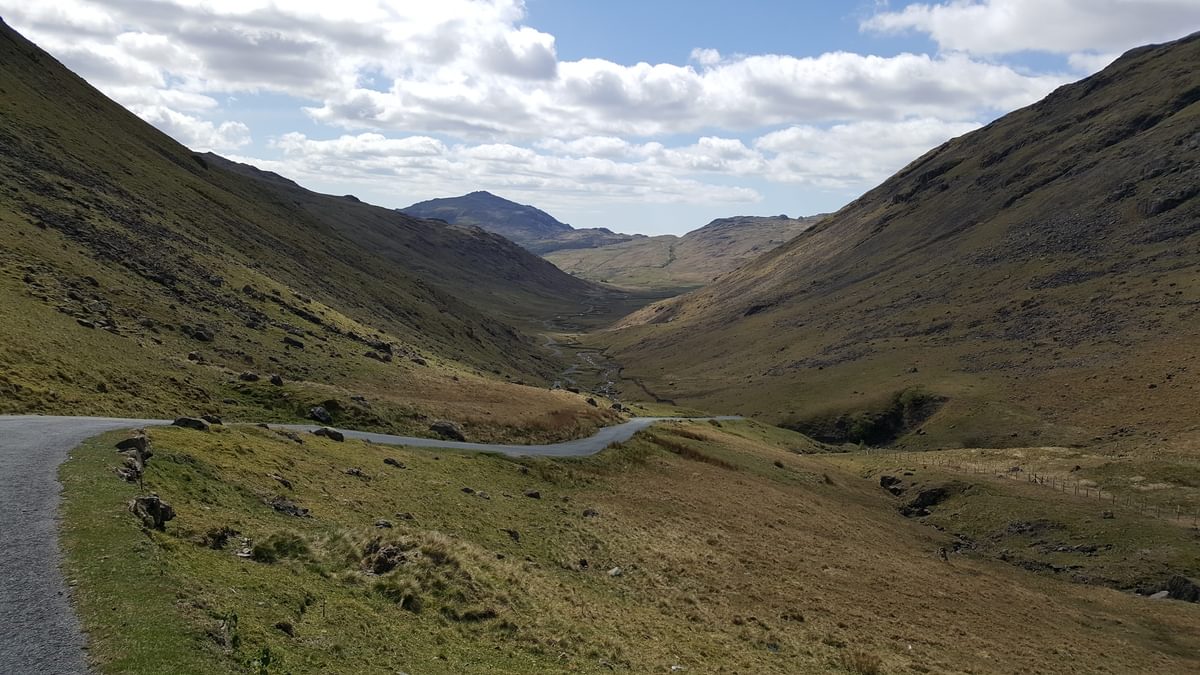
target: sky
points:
(647, 116)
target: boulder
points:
(533, 494)
(191, 423)
(320, 414)
(892, 484)
(277, 380)
(616, 572)
(153, 511)
(592, 402)
(292, 342)
(591, 513)
(448, 429)
(357, 473)
(1182, 588)
(383, 524)
(419, 361)
(137, 443)
(287, 506)
(926, 498)
(248, 376)
(211, 419)
(331, 434)
(390, 461)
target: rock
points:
(512, 534)
(1183, 588)
(382, 559)
(468, 490)
(448, 429)
(926, 498)
(277, 380)
(591, 513)
(892, 484)
(383, 524)
(573, 390)
(592, 402)
(211, 419)
(85, 323)
(216, 538)
(286, 628)
(483, 495)
(292, 342)
(1108, 515)
(405, 515)
(618, 407)
(138, 443)
(778, 464)
(287, 506)
(331, 434)
(191, 423)
(194, 356)
(385, 357)
(419, 361)
(153, 511)
(533, 494)
(320, 414)
(1161, 595)
(248, 376)
(616, 572)
(394, 462)
(281, 480)
(357, 473)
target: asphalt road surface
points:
(39, 632)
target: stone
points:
(153, 511)
(390, 461)
(331, 434)
(85, 323)
(281, 480)
(357, 473)
(468, 490)
(533, 494)
(1182, 588)
(592, 402)
(1108, 515)
(277, 380)
(512, 534)
(292, 342)
(138, 443)
(191, 423)
(320, 414)
(383, 524)
(591, 513)
(1161, 595)
(405, 515)
(892, 484)
(194, 356)
(448, 429)
(211, 419)
(616, 572)
(287, 506)
(419, 361)
(248, 376)
(286, 628)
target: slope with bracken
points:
(124, 252)
(1039, 277)
(671, 262)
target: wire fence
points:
(1068, 485)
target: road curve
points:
(39, 632)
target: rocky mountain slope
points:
(137, 276)
(1037, 281)
(696, 258)
(526, 225)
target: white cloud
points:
(991, 27)
(706, 57)
(193, 132)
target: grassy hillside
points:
(712, 548)
(526, 225)
(138, 277)
(1038, 280)
(670, 262)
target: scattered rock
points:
(1183, 588)
(468, 490)
(394, 462)
(85, 323)
(512, 534)
(591, 513)
(286, 628)
(1108, 515)
(405, 515)
(778, 464)
(153, 511)
(926, 498)
(287, 506)
(892, 484)
(281, 480)
(533, 494)
(1161, 595)
(292, 342)
(331, 434)
(615, 572)
(217, 537)
(448, 429)
(419, 361)
(138, 443)
(320, 414)
(277, 380)
(382, 558)
(592, 402)
(383, 524)
(249, 376)
(583, 563)
(211, 419)
(357, 473)
(483, 495)
(194, 356)
(191, 423)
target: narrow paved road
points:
(38, 630)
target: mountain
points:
(1035, 281)
(526, 225)
(140, 277)
(671, 262)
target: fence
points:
(1069, 485)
